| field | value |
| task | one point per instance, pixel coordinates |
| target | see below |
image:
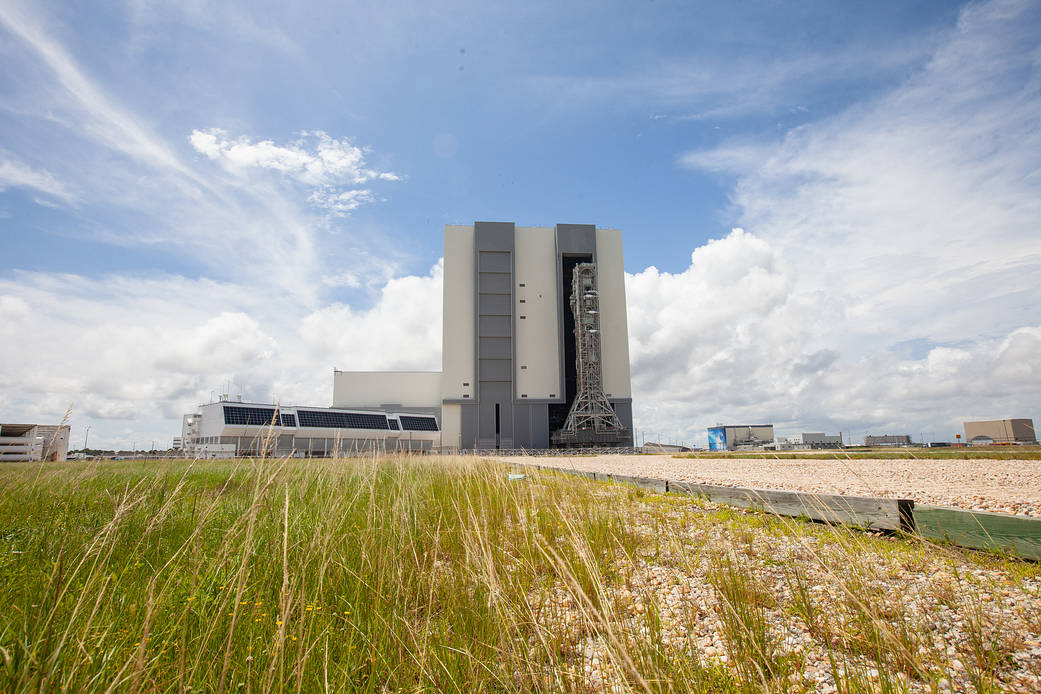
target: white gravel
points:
(1004, 486)
(942, 612)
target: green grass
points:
(420, 574)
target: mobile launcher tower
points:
(535, 345)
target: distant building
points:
(738, 437)
(34, 442)
(1018, 431)
(652, 447)
(811, 440)
(888, 440)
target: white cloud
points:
(134, 353)
(734, 337)
(105, 119)
(920, 207)
(738, 338)
(341, 203)
(401, 331)
(907, 219)
(17, 174)
(221, 18)
(199, 213)
(316, 159)
(709, 87)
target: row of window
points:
(418, 423)
(342, 420)
(265, 416)
(257, 417)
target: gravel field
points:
(890, 615)
(1004, 486)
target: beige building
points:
(1001, 431)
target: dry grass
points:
(439, 574)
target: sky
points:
(831, 212)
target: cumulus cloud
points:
(315, 159)
(738, 338)
(135, 353)
(910, 219)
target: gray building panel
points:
(576, 239)
(623, 407)
(493, 246)
(497, 417)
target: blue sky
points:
(195, 193)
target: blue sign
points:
(717, 439)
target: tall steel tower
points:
(591, 420)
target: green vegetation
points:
(439, 574)
(860, 453)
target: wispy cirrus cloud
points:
(151, 344)
(201, 213)
(223, 18)
(17, 174)
(705, 87)
(103, 117)
(920, 206)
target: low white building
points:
(810, 440)
(34, 442)
(232, 429)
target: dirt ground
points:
(1006, 486)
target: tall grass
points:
(415, 574)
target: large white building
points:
(515, 371)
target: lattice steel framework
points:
(591, 417)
